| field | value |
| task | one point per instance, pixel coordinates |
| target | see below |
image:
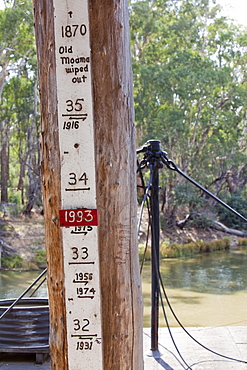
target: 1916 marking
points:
(71, 125)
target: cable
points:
(146, 247)
(153, 155)
(144, 200)
(186, 331)
(169, 330)
(172, 166)
(180, 324)
(22, 295)
(35, 290)
(147, 202)
(151, 167)
(157, 273)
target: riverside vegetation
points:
(25, 237)
(174, 250)
(22, 240)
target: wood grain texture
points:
(50, 168)
(116, 185)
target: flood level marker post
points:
(78, 216)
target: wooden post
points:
(114, 132)
(116, 185)
(51, 181)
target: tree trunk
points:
(221, 227)
(116, 185)
(33, 167)
(51, 182)
(22, 161)
(4, 162)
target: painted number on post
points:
(78, 217)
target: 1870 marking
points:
(73, 30)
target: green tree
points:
(17, 44)
(190, 90)
(19, 103)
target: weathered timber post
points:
(110, 68)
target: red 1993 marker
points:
(78, 217)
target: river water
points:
(14, 283)
(207, 290)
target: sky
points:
(236, 9)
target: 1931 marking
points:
(80, 346)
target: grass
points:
(40, 258)
(242, 242)
(175, 250)
(16, 262)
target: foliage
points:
(13, 262)
(17, 262)
(40, 258)
(242, 242)
(238, 202)
(188, 249)
(174, 250)
(190, 90)
(19, 118)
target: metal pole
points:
(152, 159)
(155, 244)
